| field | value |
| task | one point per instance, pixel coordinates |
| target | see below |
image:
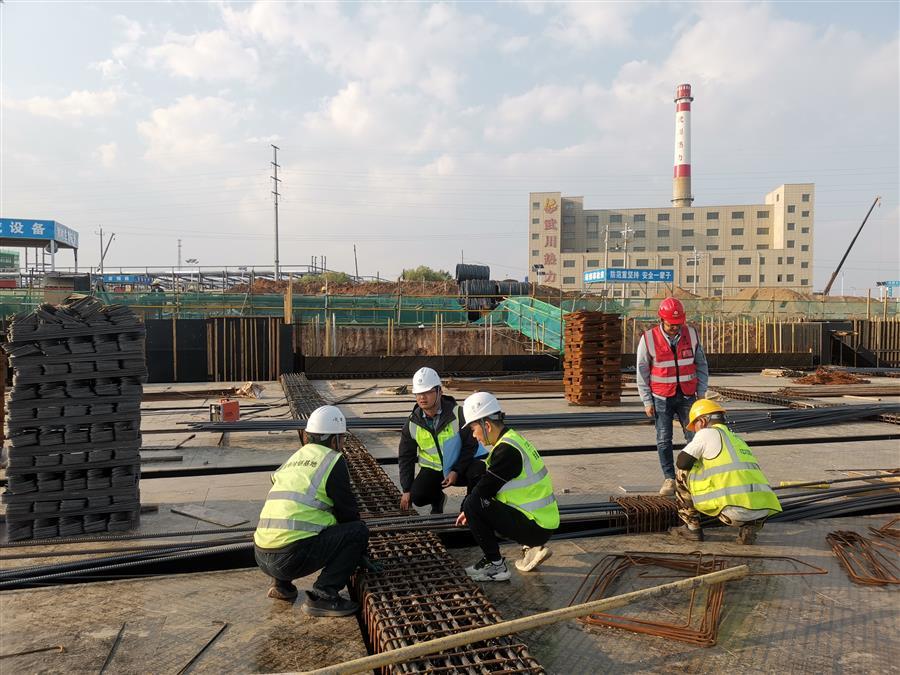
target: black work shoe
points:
(686, 533)
(747, 534)
(333, 606)
(282, 590)
(438, 506)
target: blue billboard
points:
(641, 275)
(40, 231)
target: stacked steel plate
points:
(593, 358)
(74, 419)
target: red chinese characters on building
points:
(550, 277)
(551, 224)
(550, 240)
(549, 258)
(550, 205)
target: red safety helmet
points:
(671, 311)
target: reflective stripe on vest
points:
(732, 478)
(285, 524)
(440, 457)
(298, 506)
(531, 492)
(673, 368)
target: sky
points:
(415, 131)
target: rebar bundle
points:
(423, 593)
(612, 568)
(648, 513)
(871, 561)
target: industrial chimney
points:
(681, 181)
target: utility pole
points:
(606, 261)
(101, 253)
(695, 262)
(275, 181)
(355, 262)
(179, 255)
(625, 232)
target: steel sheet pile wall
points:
(593, 358)
(422, 592)
(74, 420)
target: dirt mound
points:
(317, 287)
(828, 376)
(782, 294)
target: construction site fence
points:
(425, 309)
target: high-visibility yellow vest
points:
(733, 478)
(297, 506)
(440, 456)
(531, 492)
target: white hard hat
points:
(479, 405)
(424, 380)
(326, 420)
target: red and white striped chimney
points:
(681, 181)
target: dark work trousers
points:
(337, 549)
(486, 519)
(426, 488)
(666, 411)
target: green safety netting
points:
(520, 313)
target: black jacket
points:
(506, 465)
(409, 449)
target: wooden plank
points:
(208, 515)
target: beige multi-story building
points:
(712, 250)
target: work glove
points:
(370, 566)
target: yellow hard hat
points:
(700, 408)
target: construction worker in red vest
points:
(672, 373)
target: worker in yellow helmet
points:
(718, 475)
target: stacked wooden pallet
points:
(593, 358)
(74, 420)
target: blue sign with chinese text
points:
(127, 279)
(890, 284)
(39, 230)
(629, 274)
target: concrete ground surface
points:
(803, 624)
(797, 624)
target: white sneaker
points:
(532, 556)
(668, 487)
(485, 570)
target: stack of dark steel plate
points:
(74, 420)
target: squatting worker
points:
(719, 476)
(514, 497)
(672, 373)
(436, 436)
(310, 520)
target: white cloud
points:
(192, 130)
(588, 25)
(75, 106)
(514, 44)
(544, 104)
(387, 47)
(132, 32)
(110, 69)
(214, 55)
(106, 154)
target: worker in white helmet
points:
(514, 497)
(435, 436)
(310, 520)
